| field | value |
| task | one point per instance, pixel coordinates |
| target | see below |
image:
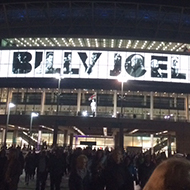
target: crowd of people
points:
(89, 169)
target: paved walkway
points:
(31, 186)
(32, 183)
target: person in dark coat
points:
(28, 167)
(13, 170)
(145, 170)
(79, 178)
(56, 169)
(97, 167)
(3, 163)
(42, 171)
(116, 175)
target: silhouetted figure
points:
(42, 171)
(79, 178)
(116, 176)
(3, 163)
(13, 170)
(56, 169)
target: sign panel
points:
(95, 65)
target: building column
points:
(175, 101)
(169, 142)
(78, 102)
(22, 96)
(3, 136)
(116, 140)
(43, 97)
(121, 136)
(182, 138)
(55, 132)
(9, 98)
(145, 102)
(39, 138)
(175, 106)
(151, 106)
(15, 135)
(115, 103)
(65, 140)
(187, 107)
(152, 143)
(71, 140)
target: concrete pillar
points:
(151, 105)
(78, 101)
(169, 142)
(145, 100)
(15, 135)
(175, 101)
(22, 96)
(43, 102)
(71, 140)
(55, 132)
(182, 138)
(121, 136)
(116, 140)
(175, 106)
(152, 143)
(39, 139)
(115, 103)
(187, 107)
(3, 136)
(76, 141)
(65, 141)
(9, 98)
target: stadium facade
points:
(90, 45)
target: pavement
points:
(32, 183)
(64, 184)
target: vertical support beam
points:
(71, 140)
(175, 106)
(22, 96)
(152, 143)
(175, 101)
(3, 137)
(76, 141)
(145, 102)
(182, 138)
(187, 107)
(115, 103)
(65, 141)
(121, 135)
(9, 97)
(43, 101)
(122, 97)
(39, 138)
(78, 101)
(15, 135)
(169, 142)
(151, 106)
(55, 132)
(116, 140)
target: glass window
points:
(68, 99)
(17, 97)
(32, 98)
(105, 100)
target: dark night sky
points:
(184, 3)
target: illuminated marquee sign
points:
(95, 65)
